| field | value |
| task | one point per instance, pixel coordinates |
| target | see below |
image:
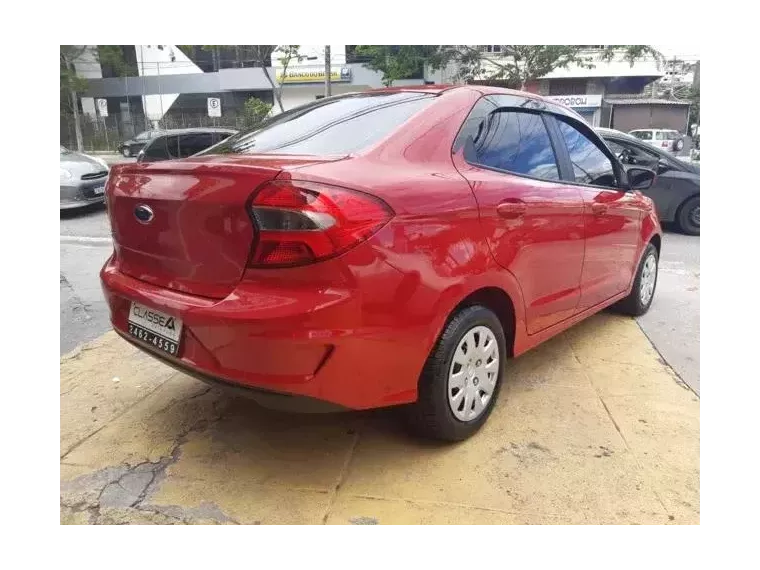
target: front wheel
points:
(688, 216)
(461, 378)
(640, 298)
(126, 152)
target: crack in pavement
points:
(125, 487)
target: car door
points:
(533, 221)
(612, 215)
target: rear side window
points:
(516, 142)
(642, 135)
(330, 126)
(193, 143)
(219, 137)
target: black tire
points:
(431, 416)
(688, 216)
(632, 304)
(127, 152)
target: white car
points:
(666, 139)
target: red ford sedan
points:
(390, 247)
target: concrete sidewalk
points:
(590, 428)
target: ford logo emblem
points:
(144, 214)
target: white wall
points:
(315, 55)
(163, 60)
(88, 66)
(300, 94)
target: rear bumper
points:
(316, 343)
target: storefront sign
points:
(577, 100)
(314, 75)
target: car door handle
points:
(511, 210)
(598, 209)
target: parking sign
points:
(103, 107)
(214, 107)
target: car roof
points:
(197, 130)
(652, 130)
(604, 132)
(437, 89)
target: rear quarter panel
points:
(435, 240)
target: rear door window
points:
(194, 143)
(659, 136)
(516, 142)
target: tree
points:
(263, 54)
(71, 84)
(396, 62)
(255, 111)
(518, 64)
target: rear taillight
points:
(665, 143)
(303, 222)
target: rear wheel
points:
(462, 377)
(640, 298)
(679, 145)
(688, 216)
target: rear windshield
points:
(642, 135)
(333, 126)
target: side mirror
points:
(640, 178)
(662, 166)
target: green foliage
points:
(113, 57)
(396, 62)
(289, 53)
(69, 79)
(518, 64)
(694, 110)
(255, 111)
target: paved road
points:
(672, 324)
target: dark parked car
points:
(83, 179)
(136, 144)
(182, 143)
(676, 190)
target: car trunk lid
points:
(184, 225)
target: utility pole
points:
(328, 70)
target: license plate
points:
(156, 328)
(98, 190)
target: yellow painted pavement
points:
(590, 428)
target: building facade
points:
(168, 84)
(587, 89)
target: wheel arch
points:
(500, 303)
(682, 203)
(656, 241)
